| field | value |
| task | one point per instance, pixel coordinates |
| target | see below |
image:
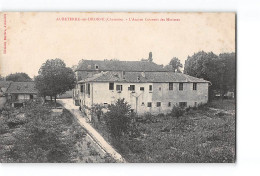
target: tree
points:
(18, 77)
(54, 78)
(2, 78)
(216, 69)
(175, 65)
(229, 76)
(118, 118)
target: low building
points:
(146, 92)
(21, 92)
(3, 87)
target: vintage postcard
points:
(117, 87)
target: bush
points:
(118, 118)
(177, 111)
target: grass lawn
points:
(203, 135)
(36, 134)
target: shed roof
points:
(22, 87)
(5, 84)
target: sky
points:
(32, 37)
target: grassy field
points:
(36, 134)
(203, 135)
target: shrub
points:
(177, 111)
(118, 118)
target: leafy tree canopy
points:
(54, 78)
(18, 77)
(219, 70)
(175, 65)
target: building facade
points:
(18, 93)
(146, 92)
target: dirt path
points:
(68, 104)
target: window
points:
(111, 86)
(119, 87)
(88, 88)
(194, 86)
(142, 88)
(149, 104)
(160, 88)
(195, 104)
(158, 104)
(170, 86)
(132, 87)
(169, 104)
(142, 104)
(81, 88)
(150, 87)
(96, 66)
(180, 86)
(183, 104)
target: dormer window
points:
(96, 67)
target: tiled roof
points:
(149, 77)
(5, 84)
(116, 65)
(22, 87)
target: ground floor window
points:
(119, 87)
(169, 104)
(149, 104)
(183, 104)
(158, 104)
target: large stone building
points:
(146, 89)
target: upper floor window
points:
(96, 67)
(88, 88)
(158, 104)
(150, 87)
(149, 104)
(170, 86)
(111, 86)
(132, 87)
(194, 86)
(169, 104)
(180, 86)
(142, 88)
(81, 88)
(119, 87)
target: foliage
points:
(18, 77)
(177, 111)
(118, 118)
(54, 78)
(219, 70)
(175, 65)
(41, 137)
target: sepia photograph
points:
(118, 87)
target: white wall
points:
(100, 94)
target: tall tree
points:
(54, 78)
(175, 65)
(18, 77)
(204, 65)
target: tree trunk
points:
(55, 97)
(51, 98)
